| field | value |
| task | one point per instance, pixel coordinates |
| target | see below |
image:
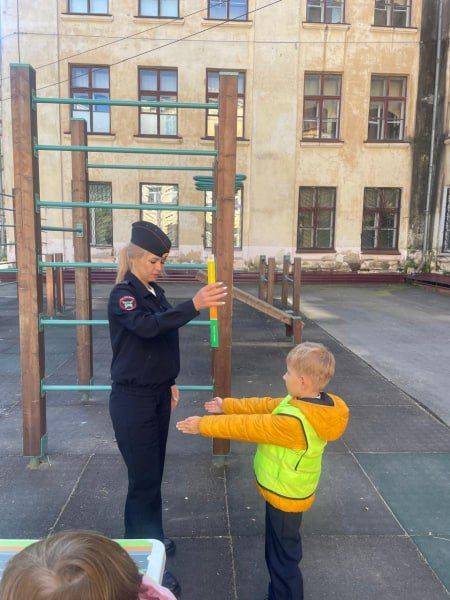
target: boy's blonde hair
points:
(71, 566)
(314, 361)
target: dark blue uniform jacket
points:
(144, 334)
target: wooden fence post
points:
(225, 198)
(262, 289)
(50, 286)
(60, 293)
(82, 252)
(297, 285)
(28, 251)
(271, 280)
(284, 280)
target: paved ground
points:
(381, 525)
(402, 331)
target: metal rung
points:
(148, 167)
(63, 229)
(76, 322)
(91, 265)
(117, 102)
(124, 206)
(124, 150)
(105, 388)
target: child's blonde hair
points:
(77, 565)
(314, 361)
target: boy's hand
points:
(190, 425)
(214, 406)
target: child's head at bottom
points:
(309, 368)
(75, 565)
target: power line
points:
(116, 40)
(238, 17)
(216, 41)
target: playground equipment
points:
(265, 302)
(31, 266)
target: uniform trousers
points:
(141, 424)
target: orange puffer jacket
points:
(250, 420)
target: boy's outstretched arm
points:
(247, 406)
(280, 430)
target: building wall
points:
(275, 49)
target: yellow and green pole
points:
(214, 327)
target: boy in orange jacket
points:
(291, 434)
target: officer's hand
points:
(213, 294)
(175, 397)
(214, 406)
(190, 425)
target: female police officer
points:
(146, 361)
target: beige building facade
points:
(327, 112)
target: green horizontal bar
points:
(208, 178)
(6, 225)
(6, 208)
(125, 206)
(76, 322)
(124, 150)
(11, 270)
(105, 388)
(148, 167)
(69, 229)
(93, 265)
(3, 244)
(114, 102)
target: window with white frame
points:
(237, 232)
(159, 8)
(167, 220)
(392, 13)
(325, 11)
(91, 82)
(88, 7)
(101, 218)
(446, 233)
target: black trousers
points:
(283, 554)
(141, 424)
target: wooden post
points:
(60, 294)
(82, 252)
(284, 280)
(261, 281)
(297, 285)
(50, 286)
(271, 280)
(28, 250)
(297, 326)
(225, 197)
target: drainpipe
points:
(426, 234)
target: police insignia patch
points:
(127, 303)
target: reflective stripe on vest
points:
(290, 473)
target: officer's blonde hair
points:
(314, 361)
(126, 256)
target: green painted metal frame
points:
(123, 150)
(117, 102)
(93, 265)
(106, 388)
(63, 229)
(46, 322)
(124, 206)
(148, 167)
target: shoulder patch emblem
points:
(127, 303)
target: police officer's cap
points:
(150, 237)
